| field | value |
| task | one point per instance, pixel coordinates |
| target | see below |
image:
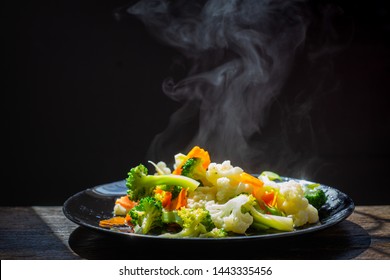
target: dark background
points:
(83, 101)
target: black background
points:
(83, 101)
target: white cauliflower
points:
(308, 215)
(229, 215)
(226, 178)
(119, 210)
(179, 160)
(224, 169)
(269, 183)
(291, 201)
(161, 168)
(199, 197)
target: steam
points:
(240, 54)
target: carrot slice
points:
(258, 193)
(126, 202)
(128, 218)
(252, 180)
(112, 222)
(269, 198)
(258, 190)
(195, 152)
(261, 194)
(179, 201)
(164, 196)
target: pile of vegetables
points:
(200, 198)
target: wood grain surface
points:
(45, 233)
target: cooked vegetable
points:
(125, 202)
(291, 201)
(227, 181)
(194, 222)
(113, 222)
(271, 175)
(140, 184)
(193, 168)
(164, 196)
(122, 205)
(315, 196)
(207, 199)
(161, 167)
(229, 215)
(174, 190)
(180, 201)
(171, 217)
(214, 233)
(146, 215)
(202, 195)
(195, 152)
(266, 221)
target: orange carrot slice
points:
(112, 222)
(164, 196)
(128, 218)
(269, 198)
(179, 201)
(258, 190)
(125, 202)
(250, 179)
(195, 152)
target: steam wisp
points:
(240, 55)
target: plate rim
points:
(344, 213)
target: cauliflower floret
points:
(163, 167)
(269, 183)
(199, 197)
(224, 169)
(227, 188)
(226, 178)
(307, 215)
(119, 210)
(229, 215)
(179, 160)
(293, 202)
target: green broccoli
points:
(271, 176)
(194, 223)
(174, 190)
(315, 195)
(214, 233)
(146, 216)
(171, 217)
(263, 221)
(193, 168)
(140, 184)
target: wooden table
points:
(44, 233)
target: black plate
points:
(88, 207)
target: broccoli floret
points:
(214, 233)
(193, 168)
(146, 215)
(263, 221)
(140, 184)
(271, 176)
(194, 222)
(315, 196)
(171, 217)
